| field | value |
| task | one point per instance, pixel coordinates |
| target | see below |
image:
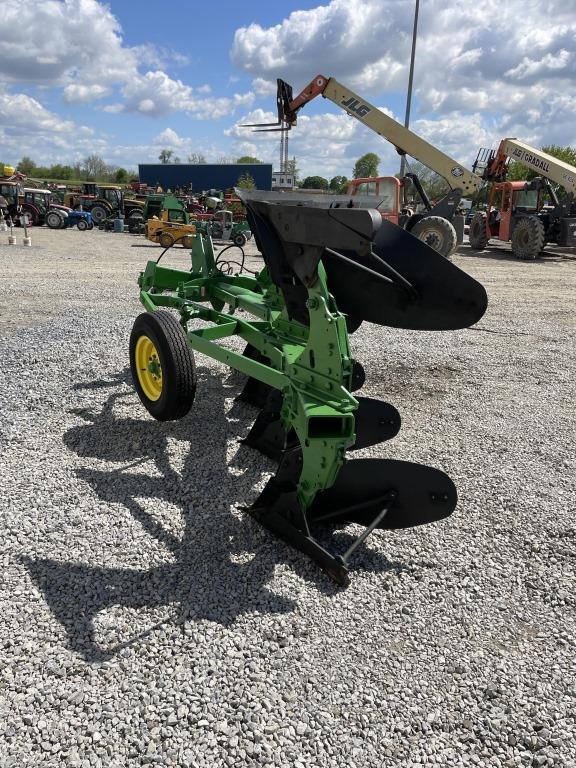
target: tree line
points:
(92, 168)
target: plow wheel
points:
(162, 365)
(477, 235)
(528, 238)
(436, 232)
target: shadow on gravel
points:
(220, 566)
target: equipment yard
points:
(146, 619)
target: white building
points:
(282, 180)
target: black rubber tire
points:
(166, 239)
(54, 220)
(477, 234)
(90, 226)
(176, 360)
(240, 239)
(99, 213)
(528, 238)
(438, 233)
(82, 225)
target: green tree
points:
(26, 165)
(339, 184)
(248, 159)
(315, 182)
(246, 181)
(366, 166)
(121, 175)
(165, 156)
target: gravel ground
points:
(146, 620)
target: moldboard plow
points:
(326, 271)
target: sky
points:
(124, 81)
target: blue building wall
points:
(203, 177)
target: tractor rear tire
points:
(438, 233)
(528, 238)
(55, 220)
(99, 213)
(162, 365)
(166, 240)
(477, 233)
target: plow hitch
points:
(325, 272)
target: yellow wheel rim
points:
(148, 368)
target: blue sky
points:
(81, 76)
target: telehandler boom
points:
(461, 181)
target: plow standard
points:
(326, 271)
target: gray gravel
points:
(146, 620)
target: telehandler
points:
(434, 225)
(527, 213)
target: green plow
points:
(326, 271)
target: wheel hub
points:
(149, 368)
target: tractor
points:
(104, 201)
(221, 226)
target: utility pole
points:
(410, 79)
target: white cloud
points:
(469, 58)
(51, 42)
(155, 93)
(77, 93)
(169, 138)
(262, 87)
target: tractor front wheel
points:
(528, 238)
(438, 233)
(162, 365)
(82, 225)
(240, 240)
(477, 234)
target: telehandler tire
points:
(528, 238)
(438, 233)
(162, 365)
(477, 233)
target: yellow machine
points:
(170, 229)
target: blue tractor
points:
(60, 217)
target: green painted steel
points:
(311, 365)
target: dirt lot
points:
(109, 263)
(146, 619)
